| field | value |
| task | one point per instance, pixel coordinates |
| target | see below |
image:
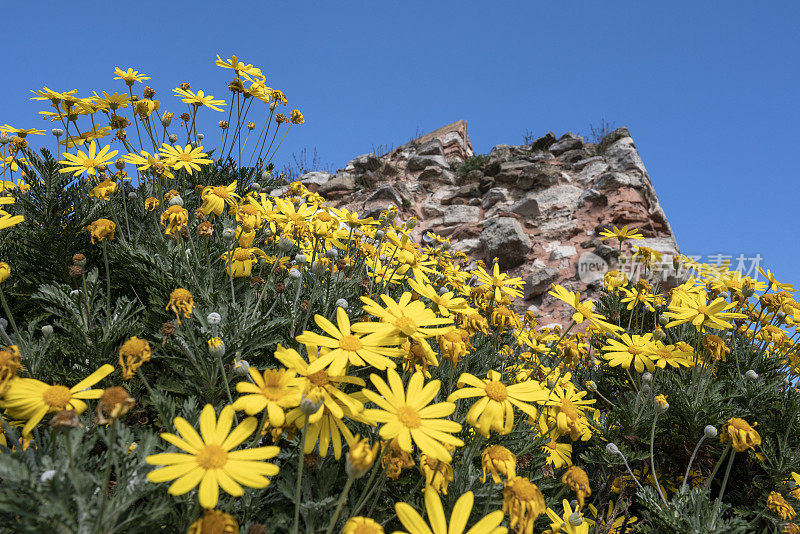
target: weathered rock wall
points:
(538, 208)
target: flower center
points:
(524, 490)
(634, 350)
(496, 391)
(212, 457)
(364, 528)
(90, 163)
(500, 454)
(186, 156)
(409, 417)
(702, 310)
(241, 254)
(320, 378)
(584, 310)
(350, 343)
(220, 191)
(57, 396)
(406, 325)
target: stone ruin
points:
(537, 208)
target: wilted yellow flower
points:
(522, 503)
(741, 435)
(174, 219)
(297, 117)
(454, 345)
(215, 198)
(214, 522)
(104, 189)
(395, 459)
(10, 363)
(498, 461)
(576, 479)
(114, 403)
(132, 355)
(102, 229)
(438, 474)
(360, 457)
(240, 261)
(151, 203)
(5, 271)
(362, 525)
(777, 504)
(180, 300)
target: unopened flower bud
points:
(173, 138)
(75, 292)
(119, 164)
(177, 200)
(663, 320)
(647, 376)
(265, 174)
(213, 318)
(575, 518)
(332, 253)
(710, 431)
(342, 303)
(411, 223)
(47, 330)
(611, 448)
(591, 386)
(216, 347)
(48, 475)
(285, 243)
(255, 186)
(748, 291)
(294, 274)
(273, 105)
(58, 132)
(300, 259)
(201, 137)
(229, 234)
(311, 404)
(241, 367)
(752, 375)
(132, 195)
(660, 404)
(318, 268)
(379, 234)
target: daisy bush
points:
(190, 344)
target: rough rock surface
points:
(537, 208)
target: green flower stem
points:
(107, 478)
(718, 502)
(652, 458)
(10, 317)
(298, 484)
(716, 468)
(258, 429)
(108, 278)
(340, 504)
(691, 460)
(164, 422)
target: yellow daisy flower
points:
(216, 197)
(30, 400)
(209, 459)
(407, 416)
(184, 158)
(351, 348)
(437, 521)
(87, 161)
(273, 390)
(495, 408)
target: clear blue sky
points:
(709, 90)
